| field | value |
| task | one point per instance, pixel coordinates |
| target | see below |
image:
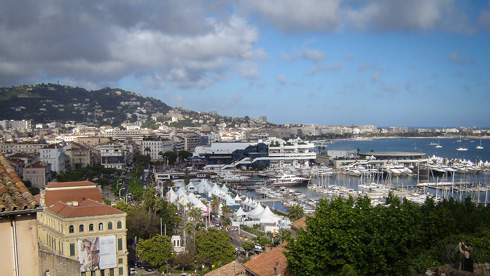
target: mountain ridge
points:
(53, 102)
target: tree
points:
(247, 246)
(184, 260)
(171, 156)
(214, 247)
(295, 212)
(226, 211)
(214, 203)
(156, 251)
(183, 154)
(194, 213)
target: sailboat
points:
(479, 146)
(438, 145)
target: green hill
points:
(52, 102)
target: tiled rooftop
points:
(78, 191)
(266, 264)
(84, 209)
(233, 268)
(14, 195)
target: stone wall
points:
(56, 265)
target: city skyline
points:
(396, 63)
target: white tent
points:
(240, 213)
(191, 187)
(172, 195)
(259, 209)
(268, 216)
(237, 198)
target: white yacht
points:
(288, 180)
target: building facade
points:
(38, 174)
(77, 225)
(18, 225)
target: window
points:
(111, 272)
(71, 229)
(91, 227)
(72, 249)
(119, 244)
(119, 225)
(109, 225)
(121, 271)
(102, 272)
(101, 226)
(120, 260)
(80, 228)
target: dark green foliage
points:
(171, 156)
(387, 240)
(214, 247)
(156, 250)
(51, 102)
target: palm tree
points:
(190, 227)
(215, 203)
(295, 212)
(195, 214)
(226, 211)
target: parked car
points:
(132, 270)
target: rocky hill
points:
(52, 102)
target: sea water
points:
(419, 145)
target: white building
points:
(55, 155)
(153, 148)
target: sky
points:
(357, 62)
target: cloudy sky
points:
(380, 62)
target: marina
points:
(437, 177)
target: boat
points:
(433, 144)
(462, 149)
(479, 146)
(288, 180)
(438, 146)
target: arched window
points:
(119, 225)
(80, 228)
(91, 227)
(109, 225)
(71, 229)
(101, 226)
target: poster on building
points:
(97, 253)
(108, 251)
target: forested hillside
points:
(51, 102)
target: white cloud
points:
(336, 66)
(282, 79)
(375, 77)
(293, 15)
(457, 58)
(175, 41)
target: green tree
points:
(214, 247)
(171, 156)
(214, 203)
(183, 154)
(295, 212)
(184, 260)
(247, 246)
(156, 251)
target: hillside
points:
(51, 102)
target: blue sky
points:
(386, 63)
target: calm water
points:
(448, 149)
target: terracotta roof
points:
(70, 191)
(70, 184)
(84, 209)
(233, 268)
(14, 195)
(37, 165)
(266, 263)
(301, 223)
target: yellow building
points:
(77, 225)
